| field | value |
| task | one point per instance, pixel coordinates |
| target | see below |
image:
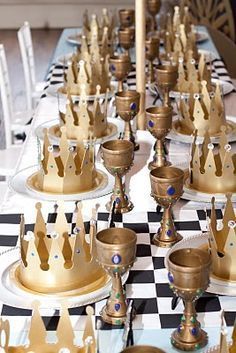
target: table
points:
(147, 282)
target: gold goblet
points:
(167, 76)
(127, 106)
(152, 52)
(126, 38)
(127, 17)
(116, 252)
(159, 122)
(120, 66)
(142, 349)
(153, 7)
(118, 157)
(189, 277)
(166, 189)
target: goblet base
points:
(119, 208)
(112, 320)
(164, 243)
(177, 342)
(156, 164)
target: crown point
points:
(223, 128)
(89, 310)
(38, 206)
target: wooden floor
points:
(44, 43)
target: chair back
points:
(27, 55)
(6, 98)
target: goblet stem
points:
(128, 133)
(120, 86)
(166, 98)
(166, 235)
(116, 304)
(154, 27)
(151, 72)
(122, 202)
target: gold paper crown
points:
(223, 242)
(212, 170)
(37, 336)
(93, 28)
(201, 112)
(59, 260)
(69, 170)
(189, 79)
(225, 346)
(85, 123)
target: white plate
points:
(201, 36)
(217, 286)
(15, 296)
(55, 140)
(18, 184)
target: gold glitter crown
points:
(212, 169)
(201, 112)
(59, 260)
(223, 242)
(67, 170)
(84, 122)
(37, 336)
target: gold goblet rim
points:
(142, 349)
(130, 30)
(128, 95)
(109, 237)
(127, 11)
(155, 111)
(115, 59)
(189, 259)
(152, 40)
(167, 174)
(117, 146)
(167, 68)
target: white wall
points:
(52, 13)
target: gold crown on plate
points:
(212, 168)
(223, 242)
(56, 259)
(201, 112)
(95, 27)
(190, 78)
(83, 122)
(37, 335)
(69, 169)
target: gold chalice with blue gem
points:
(127, 107)
(166, 188)
(118, 158)
(189, 277)
(116, 252)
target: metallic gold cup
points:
(189, 277)
(127, 106)
(166, 189)
(159, 122)
(152, 52)
(126, 38)
(120, 66)
(142, 349)
(127, 17)
(166, 76)
(116, 252)
(118, 158)
(153, 7)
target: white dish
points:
(19, 185)
(201, 36)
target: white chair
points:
(33, 89)
(14, 121)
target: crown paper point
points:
(212, 169)
(201, 111)
(96, 26)
(37, 336)
(223, 242)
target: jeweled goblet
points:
(153, 7)
(126, 17)
(189, 277)
(152, 52)
(127, 107)
(118, 158)
(166, 76)
(166, 189)
(142, 349)
(120, 66)
(159, 122)
(126, 38)
(116, 252)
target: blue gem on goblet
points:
(133, 106)
(170, 277)
(150, 123)
(117, 307)
(128, 18)
(112, 67)
(194, 331)
(116, 259)
(169, 232)
(117, 200)
(179, 328)
(170, 190)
